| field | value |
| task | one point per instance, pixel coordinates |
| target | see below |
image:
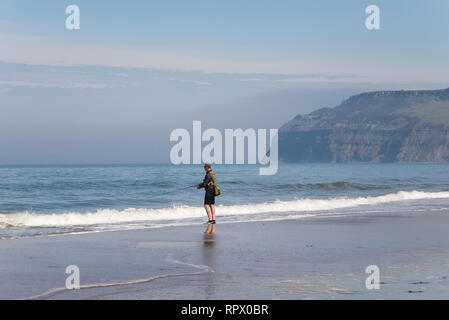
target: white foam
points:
(180, 213)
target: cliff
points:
(383, 126)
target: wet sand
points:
(314, 258)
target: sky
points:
(112, 91)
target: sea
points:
(54, 200)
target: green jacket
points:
(209, 181)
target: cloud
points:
(118, 74)
(76, 85)
(201, 83)
(198, 82)
(252, 80)
(57, 51)
(305, 78)
(41, 50)
(320, 78)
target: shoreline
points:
(319, 258)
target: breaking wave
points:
(180, 214)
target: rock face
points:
(383, 126)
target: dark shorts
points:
(209, 197)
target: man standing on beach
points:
(209, 198)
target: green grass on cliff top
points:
(434, 112)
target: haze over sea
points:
(49, 200)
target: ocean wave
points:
(86, 185)
(182, 213)
(337, 185)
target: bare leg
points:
(208, 211)
(212, 206)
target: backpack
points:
(217, 190)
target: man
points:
(209, 198)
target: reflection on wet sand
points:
(210, 229)
(208, 259)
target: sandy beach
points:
(320, 258)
